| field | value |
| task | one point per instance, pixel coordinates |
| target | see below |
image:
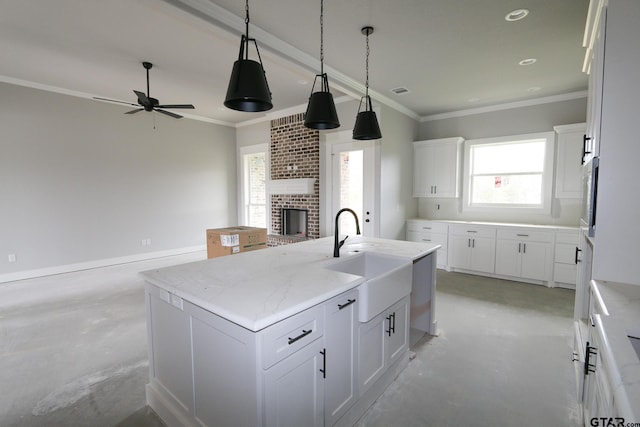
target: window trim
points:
(547, 175)
(243, 151)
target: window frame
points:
(547, 176)
(243, 183)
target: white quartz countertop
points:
(622, 301)
(500, 224)
(259, 288)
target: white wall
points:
(81, 181)
(515, 121)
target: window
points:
(512, 172)
(254, 172)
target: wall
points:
(530, 119)
(80, 181)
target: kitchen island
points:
(287, 335)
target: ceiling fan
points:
(147, 103)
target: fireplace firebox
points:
(295, 222)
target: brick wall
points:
(295, 153)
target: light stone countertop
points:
(500, 224)
(622, 301)
(259, 288)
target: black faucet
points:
(338, 244)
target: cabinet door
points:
(371, 350)
(508, 257)
(293, 389)
(536, 261)
(422, 171)
(445, 170)
(460, 252)
(398, 325)
(483, 254)
(341, 355)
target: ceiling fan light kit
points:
(248, 89)
(366, 126)
(321, 110)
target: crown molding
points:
(506, 106)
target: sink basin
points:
(388, 279)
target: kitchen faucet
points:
(338, 244)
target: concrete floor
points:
(73, 352)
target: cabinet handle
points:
(588, 367)
(302, 335)
(324, 363)
(473, 243)
(524, 248)
(574, 357)
(585, 138)
(578, 250)
(426, 228)
(426, 240)
(388, 331)
(468, 243)
(472, 231)
(346, 304)
(519, 247)
(393, 328)
(522, 235)
(435, 189)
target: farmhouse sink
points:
(388, 279)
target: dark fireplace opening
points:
(295, 222)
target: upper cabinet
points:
(570, 144)
(436, 166)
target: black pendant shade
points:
(248, 88)
(321, 111)
(366, 126)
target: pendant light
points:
(366, 126)
(248, 88)
(321, 111)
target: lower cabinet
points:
(524, 253)
(310, 369)
(598, 394)
(430, 232)
(381, 341)
(472, 248)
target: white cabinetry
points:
(436, 165)
(565, 268)
(524, 253)
(472, 248)
(570, 145)
(381, 341)
(430, 232)
(341, 356)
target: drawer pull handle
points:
(302, 335)
(578, 250)
(324, 363)
(426, 228)
(471, 231)
(426, 240)
(522, 235)
(346, 304)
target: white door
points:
(352, 180)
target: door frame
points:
(371, 174)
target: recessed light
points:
(473, 99)
(534, 89)
(528, 61)
(400, 90)
(303, 82)
(516, 15)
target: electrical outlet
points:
(12, 257)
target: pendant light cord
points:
(322, 37)
(367, 68)
(246, 24)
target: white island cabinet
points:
(273, 337)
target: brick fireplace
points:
(295, 153)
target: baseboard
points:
(106, 262)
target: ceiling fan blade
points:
(176, 106)
(134, 111)
(142, 98)
(113, 100)
(168, 113)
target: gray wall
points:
(81, 181)
(531, 119)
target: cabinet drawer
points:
(525, 235)
(427, 226)
(471, 231)
(435, 238)
(290, 335)
(568, 237)
(565, 273)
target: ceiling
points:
(451, 55)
